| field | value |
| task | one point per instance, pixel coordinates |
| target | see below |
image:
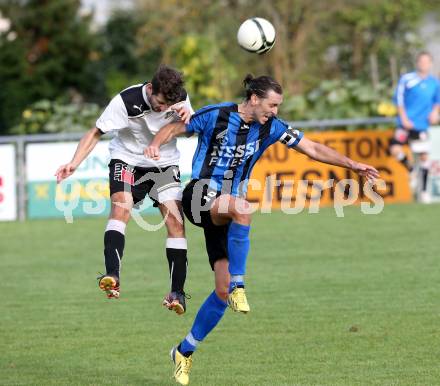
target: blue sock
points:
(238, 249)
(210, 313)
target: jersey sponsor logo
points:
(138, 107)
(222, 137)
(233, 155)
(413, 82)
(176, 174)
(124, 173)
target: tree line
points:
(334, 59)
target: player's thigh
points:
(420, 145)
(121, 205)
(399, 139)
(424, 157)
(123, 189)
(228, 208)
(197, 200)
(396, 149)
(164, 184)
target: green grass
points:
(335, 301)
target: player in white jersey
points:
(135, 115)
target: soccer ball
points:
(256, 35)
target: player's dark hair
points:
(168, 82)
(260, 86)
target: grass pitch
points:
(334, 301)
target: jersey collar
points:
(145, 96)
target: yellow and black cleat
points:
(237, 301)
(182, 366)
(110, 285)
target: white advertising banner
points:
(8, 198)
(87, 187)
(43, 159)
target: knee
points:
(424, 157)
(240, 212)
(122, 202)
(175, 226)
(120, 213)
(395, 150)
(240, 218)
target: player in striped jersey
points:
(232, 137)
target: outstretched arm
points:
(406, 122)
(327, 155)
(434, 114)
(164, 135)
(85, 146)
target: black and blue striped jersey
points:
(228, 147)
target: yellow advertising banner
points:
(282, 176)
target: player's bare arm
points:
(85, 146)
(406, 122)
(165, 135)
(434, 115)
(327, 155)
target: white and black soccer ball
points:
(256, 35)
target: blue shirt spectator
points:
(418, 97)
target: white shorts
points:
(170, 194)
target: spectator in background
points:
(418, 103)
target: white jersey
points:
(135, 123)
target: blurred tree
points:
(315, 39)
(120, 61)
(333, 99)
(13, 65)
(196, 38)
(371, 35)
(47, 52)
(120, 42)
(47, 116)
(208, 74)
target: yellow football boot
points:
(182, 366)
(237, 300)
